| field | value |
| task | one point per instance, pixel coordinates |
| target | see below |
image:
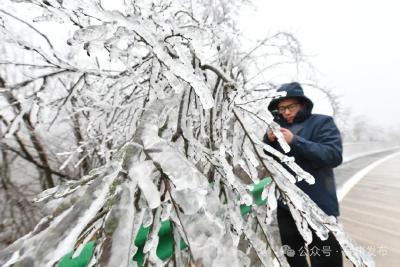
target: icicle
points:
(301, 174)
(245, 197)
(190, 186)
(147, 217)
(142, 173)
(301, 224)
(269, 193)
(122, 218)
(152, 241)
(252, 164)
(275, 245)
(258, 245)
(177, 248)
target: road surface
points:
(370, 211)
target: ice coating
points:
(189, 185)
(143, 173)
(123, 214)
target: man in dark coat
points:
(316, 145)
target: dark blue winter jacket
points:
(316, 147)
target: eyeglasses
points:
(290, 107)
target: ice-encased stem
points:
(189, 185)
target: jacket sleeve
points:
(325, 150)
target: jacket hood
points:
(293, 90)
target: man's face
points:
(289, 108)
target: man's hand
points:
(287, 134)
(271, 136)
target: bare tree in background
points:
(156, 106)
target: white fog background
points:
(353, 45)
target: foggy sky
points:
(354, 45)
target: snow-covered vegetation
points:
(137, 113)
